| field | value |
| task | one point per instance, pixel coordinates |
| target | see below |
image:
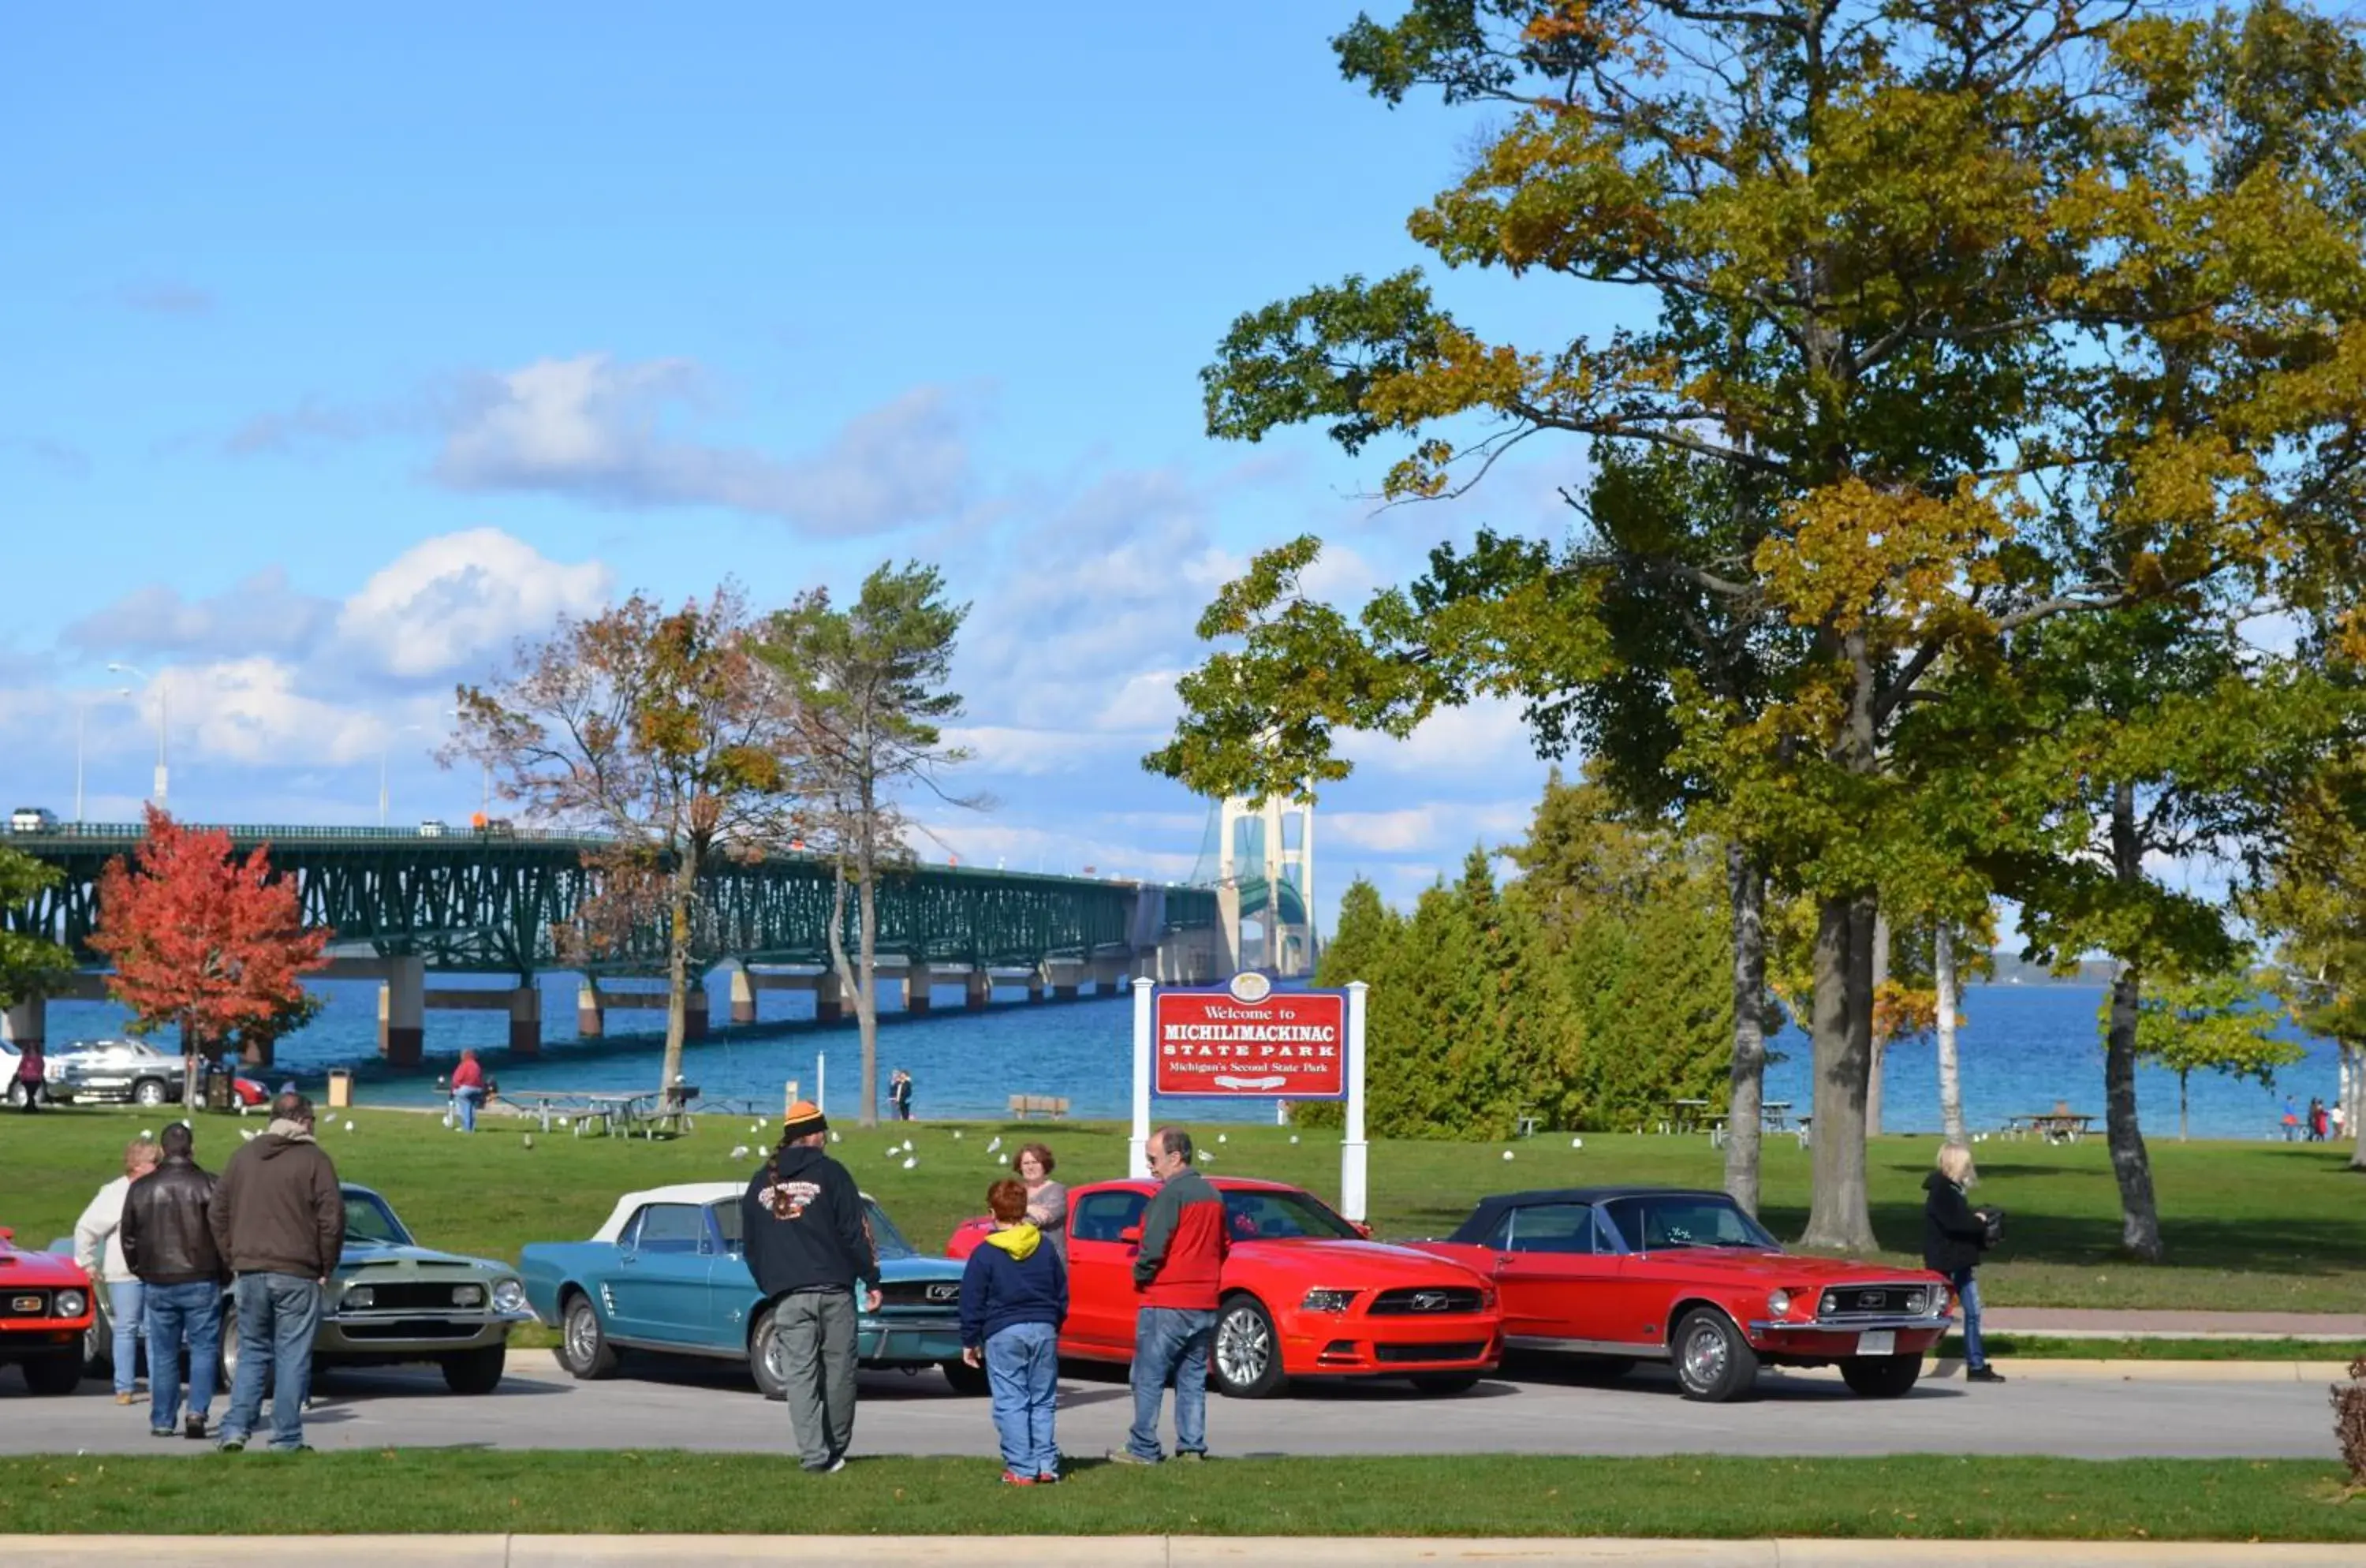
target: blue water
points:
(2023, 1048)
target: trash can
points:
(341, 1089)
(218, 1093)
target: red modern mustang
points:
(1306, 1293)
(45, 1307)
(1617, 1275)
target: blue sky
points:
(345, 349)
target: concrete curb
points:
(1125, 1552)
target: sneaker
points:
(125, 1398)
(1127, 1456)
(160, 1431)
(230, 1444)
(1012, 1478)
(1190, 1456)
(1048, 1478)
(195, 1430)
(832, 1468)
(1983, 1374)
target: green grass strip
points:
(2039, 1347)
(1935, 1497)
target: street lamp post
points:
(384, 746)
(81, 726)
(163, 710)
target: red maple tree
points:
(205, 940)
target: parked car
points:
(113, 1071)
(1306, 1294)
(32, 819)
(390, 1302)
(45, 1311)
(1617, 1275)
(669, 1271)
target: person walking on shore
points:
(1953, 1238)
(468, 1090)
(899, 1094)
(1014, 1296)
(98, 1247)
(1178, 1275)
(278, 1219)
(809, 1246)
(168, 1238)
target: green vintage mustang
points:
(392, 1301)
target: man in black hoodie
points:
(809, 1247)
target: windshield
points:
(371, 1222)
(1284, 1216)
(1651, 1225)
(885, 1240)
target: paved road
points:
(690, 1404)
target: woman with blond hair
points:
(1953, 1238)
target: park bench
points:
(1025, 1105)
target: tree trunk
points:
(850, 986)
(1877, 1058)
(190, 1092)
(1951, 1082)
(866, 999)
(681, 888)
(2356, 1108)
(1746, 886)
(1838, 1214)
(2182, 1120)
(2139, 1218)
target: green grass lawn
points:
(2038, 1348)
(586, 1493)
(2249, 1225)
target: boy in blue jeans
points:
(1013, 1297)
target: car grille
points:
(410, 1328)
(943, 1296)
(26, 1304)
(419, 1295)
(1424, 1302)
(1458, 1352)
(1875, 1301)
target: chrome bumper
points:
(1851, 1325)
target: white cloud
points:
(1001, 749)
(596, 428)
(1420, 828)
(1484, 737)
(262, 613)
(450, 601)
(252, 711)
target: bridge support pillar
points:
(402, 1011)
(526, 1020)
(591, 1012)
(698, 1009)
(26, 1023)
(1066, 979)
(829, 999)
(978, 989)
(1108, 977)
(917, 978)
(1034, 984)
(743, 995)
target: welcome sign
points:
(1250, 1040)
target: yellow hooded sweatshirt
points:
(1019, 1240)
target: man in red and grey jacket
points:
(1179, 1271)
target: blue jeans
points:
(278, 1315)
(126, 1304)
(465, 1101)
(1967, 1291)
(1022, 1369)
(1170, 1343)
(193, 1311)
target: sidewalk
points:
(1126, 1552)
(2107, 1323)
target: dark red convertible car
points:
(45, 1307)
(1618, 1275)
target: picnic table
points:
(1684, 1115)
(2054, 1126)
(1775, 1115)
(616, 1113)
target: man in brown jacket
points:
(278, 1219)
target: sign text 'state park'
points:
(1288, 1044)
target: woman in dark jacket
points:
(1953, 1239)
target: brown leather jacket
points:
(167, 1230)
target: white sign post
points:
(1137, 1147)
(1352, 1150)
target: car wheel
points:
(1714, 1362)
(1881, 1376)
(767, 1358)
(1447, 1383)
(1244, 1358)
(967, 1381)
(583, 1347)
(148, 1091)
(475, 1372)
(53, 1374)
(228, 1375)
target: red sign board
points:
(1249, 1042)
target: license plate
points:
(1881, 1342)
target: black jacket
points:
(802, 1216)
(1952, 1235)
(167, 1229)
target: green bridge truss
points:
(489, 903)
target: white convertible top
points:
(681, 1192)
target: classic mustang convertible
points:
(668, 1273)
(45, 1309)
(1306, 1294)
(390, 1301)
(1622, 1274)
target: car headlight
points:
(467, 1295)
(359, 1296)
(1915, 1302)
(1778, 1304)
(1327, 1301)
(509, 1296)
(70, 1303)
(1487, 1298)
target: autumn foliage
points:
(204, 939)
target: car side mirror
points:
(1130, 1235)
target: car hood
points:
(374, 1255)
(1374, 1263)
(919, 1267)
(1777, 1267)
(41, 1269)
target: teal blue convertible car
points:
(668, 1273)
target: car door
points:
(732, 1297)
(659, 1286)
(1553, 1278)
(1101, 1298)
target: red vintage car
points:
(1618, 1275)
(1307, 1295)
(45, 1307)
